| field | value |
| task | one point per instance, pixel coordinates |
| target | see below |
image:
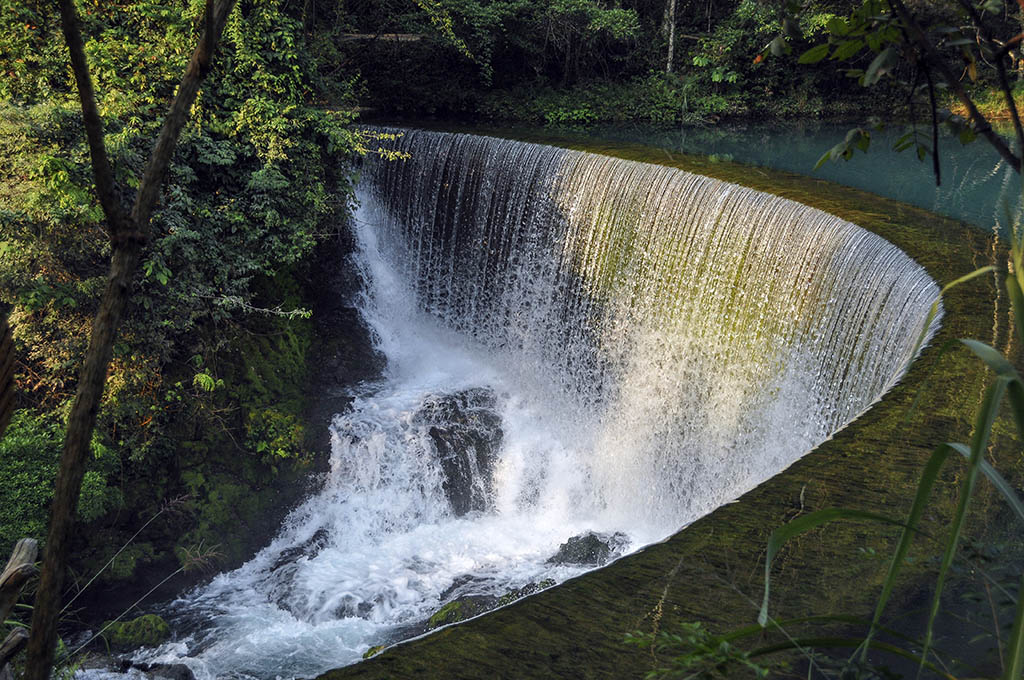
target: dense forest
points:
(204, 437)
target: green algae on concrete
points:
(712, 571)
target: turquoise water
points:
(978, 187)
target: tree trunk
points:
(128, 234)
(19, 568)
(669, 28)
(6, 374)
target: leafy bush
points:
(29, 454)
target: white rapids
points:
(640, 345)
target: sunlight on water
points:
(619, 347)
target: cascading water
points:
(575, 343)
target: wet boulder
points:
(460, 609)
(589, 548)
(465, 431)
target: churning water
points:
(575, 343)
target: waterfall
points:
(708, 334)
(575, 344)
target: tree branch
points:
(1004, 81)
(981, 124)
(160, 157)
(102, 174)
(128, 235)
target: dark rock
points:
(170, 671)
(589, 548)
(466, 433)
(463, 608)
(514, 594)
(159, 671)
(461, 583)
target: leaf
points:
(779, 46)
(987, 413)
(847, 49)
(815, 54)
(880, 65)
(1014, 663)
(934, 311)
(992, 358)
(837, 26)
(204, 381)
(801, 525)
(1017, 300)
(924, 488)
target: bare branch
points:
(19, 568)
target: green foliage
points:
(261, 173)
(696, 653)
(148, 630)
(275, 435)
(1007, 383)
(29, 453)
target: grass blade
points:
(998, 481)
(1016, 391)
(924, 488)
(1015, 645)
(799, 526)
(979, 442)
(934, 311)
(833, 642)
(992, 358)
(1017, 300)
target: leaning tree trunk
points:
(129, 232)
(19, 568)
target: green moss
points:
(148, 630)
(125, 564)
(450, 613)
(373, 651)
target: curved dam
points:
(579, 348)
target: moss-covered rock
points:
(463, 608)
(373, 651)
(148, 630)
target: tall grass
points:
(1006, 384)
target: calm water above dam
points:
(978, 187)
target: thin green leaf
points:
(979, 442)
(815, 54)
(998, 481)
(924, 489)
(934, 311)
(1017, 405)
(922, 389)
(1017, 300)
(1014, 664)
(799, 526)
(992, 358)
(833, 642)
